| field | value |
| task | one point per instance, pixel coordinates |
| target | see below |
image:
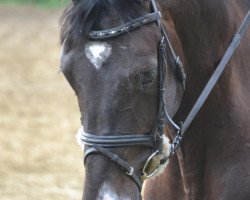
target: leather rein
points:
(154, 139)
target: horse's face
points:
(116, 83)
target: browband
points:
(136, 23)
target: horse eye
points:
(146, 78)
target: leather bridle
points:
(154, 139)
(99, 144)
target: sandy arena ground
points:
(39, 158)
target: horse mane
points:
(81, 16)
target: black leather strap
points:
(115, 141)
(173, 58)
(125, 28)
(129, 170)
(170, 51)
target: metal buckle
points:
(176, 143)
(131, 171)
(178, 61)
(163, 45)
(160, 136)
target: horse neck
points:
(205, 29)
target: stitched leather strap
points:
(116, 140)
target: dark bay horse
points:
(116, 74)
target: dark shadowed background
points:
(39, 158)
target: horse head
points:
(115, 58)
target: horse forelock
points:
(81, 16)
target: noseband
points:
(154, 139)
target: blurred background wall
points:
(39, 158)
